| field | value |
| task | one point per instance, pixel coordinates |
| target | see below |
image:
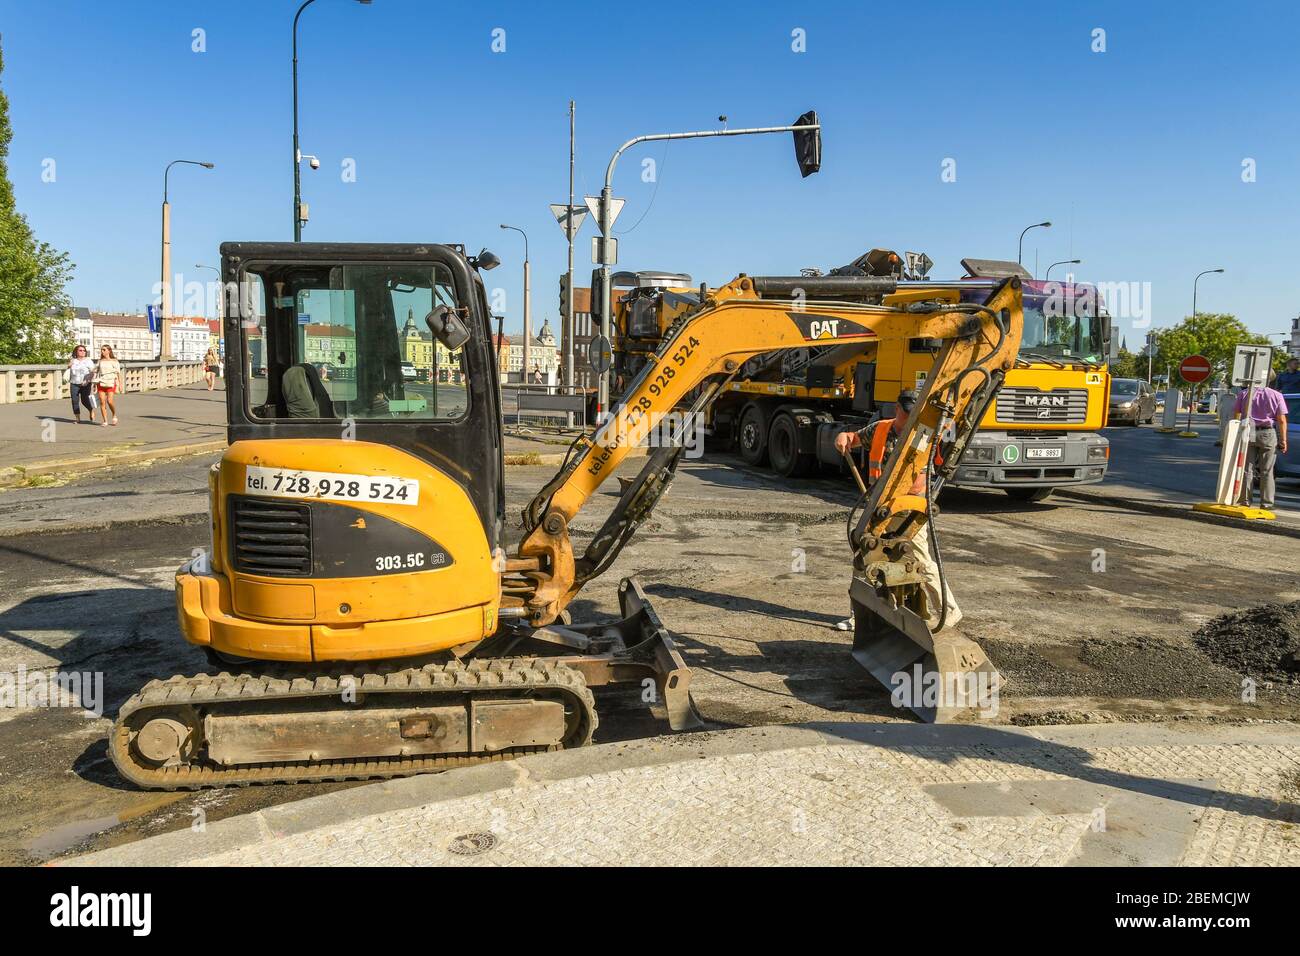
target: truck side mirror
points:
(447, 327)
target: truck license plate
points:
(1043, 452)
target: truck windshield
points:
(1063, 322)
(349, 341)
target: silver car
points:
(1131, 400)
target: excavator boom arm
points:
(734, 323)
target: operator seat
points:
(304, 393)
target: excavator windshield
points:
(349, 341)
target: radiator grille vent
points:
(270, 537)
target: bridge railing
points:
(32, 383)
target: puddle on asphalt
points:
(53, 842)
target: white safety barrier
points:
(1169, 417)
(1232, 464)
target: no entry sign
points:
(1194, 368)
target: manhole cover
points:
(472, 844)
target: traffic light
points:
(564, 294)
(808, 144)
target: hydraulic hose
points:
(934, 545)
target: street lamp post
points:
(221, 327)
(1063, 262)
(297, 154)
(528, 314)
(1153, 340)
(1194, 282)
(164, 331)
(1191, 395)
(606, 214)
(1020, 248)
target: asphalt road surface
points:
(1142, 457)
(1086, 609)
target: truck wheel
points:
(783, 448)
(1028, 494)
(751, 434)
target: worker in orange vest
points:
(879, 439)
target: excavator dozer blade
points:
(939, 677)
(672, 675)
(638, 646)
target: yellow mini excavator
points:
(358, 591)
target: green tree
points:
(1211, 334)
(35, 312)
(1128, 365)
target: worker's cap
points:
(907, 399)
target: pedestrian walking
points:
(1267, 438)
(108, 382)
(81, 370)
(1288, 380)
(879, 439)
(211, 366)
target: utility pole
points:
(528, 314)
(568, 306)
(221, 325)
(298, 217)
(297, 153)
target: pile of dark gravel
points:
(1260, 642)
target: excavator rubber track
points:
(190, 701)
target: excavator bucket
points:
(939, 677)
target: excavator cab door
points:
(387, 343)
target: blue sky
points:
(1135, 154)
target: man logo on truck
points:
(1055, 400)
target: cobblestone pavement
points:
(835, 794)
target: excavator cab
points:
(358, 509)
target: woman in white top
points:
(81, 369)
(108, 382)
